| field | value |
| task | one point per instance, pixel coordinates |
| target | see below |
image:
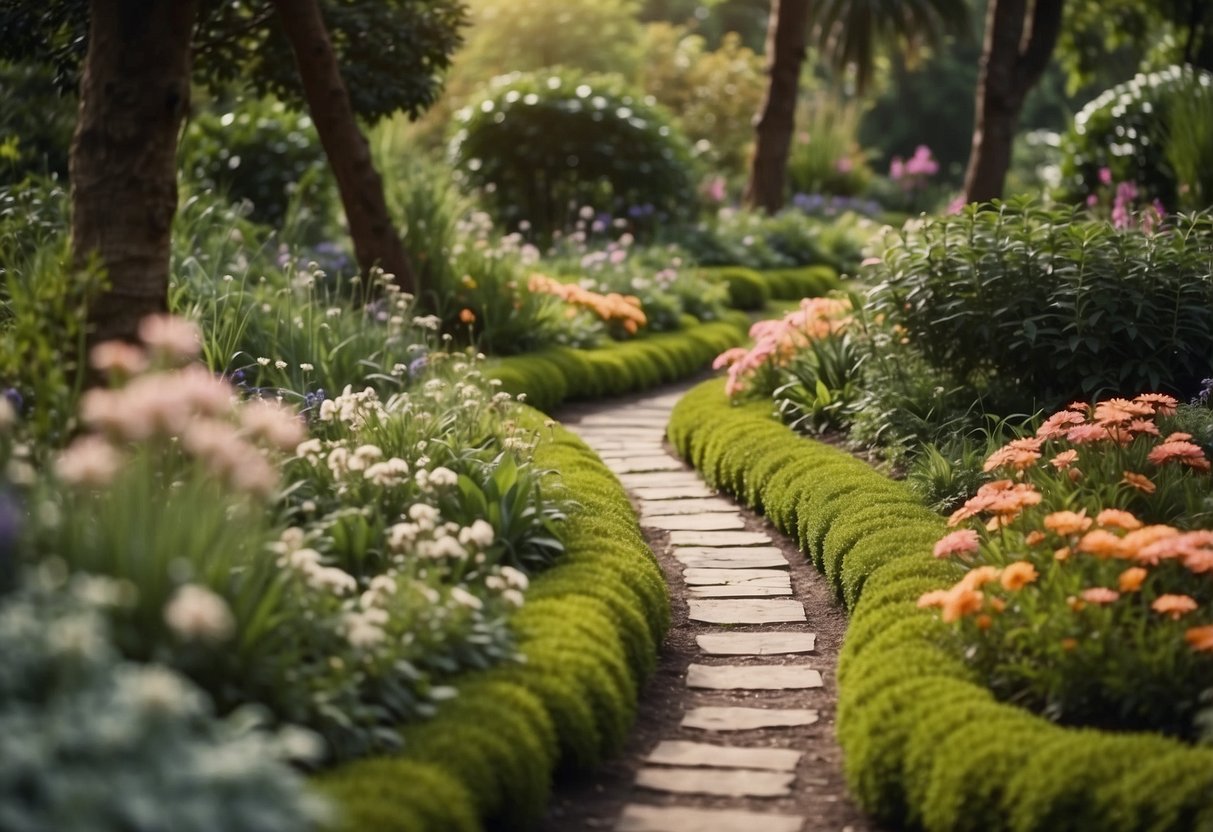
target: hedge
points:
(589, 633)
(927, 745)
(554, 375)
(751, 290)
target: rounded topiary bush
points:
(543, 145)
(1124, 129)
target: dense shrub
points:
(36, 123)
(543, 145)
(1040, 306)
(1125, 129)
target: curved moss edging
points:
(752, 289)
(927, 746)
(551, 376)
(589, 631)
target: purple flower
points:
(15, 399)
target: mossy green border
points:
(551, 376)
(589, 633)
(752, 289)
(926, 744)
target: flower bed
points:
(927, 744)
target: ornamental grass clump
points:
(1084, 587)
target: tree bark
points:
(787, 33)
(134, 93)
(1018, 43)
(376, 242)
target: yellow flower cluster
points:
(612, 307)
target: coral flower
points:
(1200, 638)
(1182, 452)
(979, 577)
(1143, 426)
(729, 357)
(1064, 459)
(1173, 605)
(959, 603)
(1082, 434)
(467, 316)
(1034, 537)
(1117, 519)
(1062, 554)
(935, 598)
(1131, 579)
(1102, 543)
(1081, 407)
(1057, 424)
(1178, 437)
(960, 542)
(1099, 595)
(1150, 543)
(1068, 522)
(1139, 481)
(1117, 411)
(1017, 575)
(1162, 404)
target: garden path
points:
(735, 732)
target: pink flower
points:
(729, 357)
(960, 542)
(169, 335)
(844, 165)
(897, 169)
(1105, 176)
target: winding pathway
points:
(735, 733)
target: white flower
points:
(480, 534)
(333, 579)
(328, 409)
(461, 596)
(339, 461)
(264, 362)
(172, 336)
(307, 368)
(309, 450)
(513, 597)
(441, 547)
(89, 461)
(443, 477)
(424, 514)
(402, 535)
(281, 365)
(197, 614)
(516, 578)
(305, 561)
(428, 322)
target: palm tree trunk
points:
(376, 242)
(1012, 62)
(134, 93)
(787, 33)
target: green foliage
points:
(1042, 306)
(36, 122)
(1125, 130)
(550, 143)
(825, 156)
(257, 150)
(1189, 142)
(748, 290)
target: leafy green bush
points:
(747, 289)
(36, 123)
(260, 151)
(541, 146)
(1039, 306)
(1124, 129)
(1189, 142)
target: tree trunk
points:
(376, 242)
(134, 93)
(787, 32)
(1018, 43)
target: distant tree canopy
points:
(392, 53)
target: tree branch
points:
(1041, 38)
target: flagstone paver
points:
(688, 754)
(718, 539)
(638, 818)
(722, 782)
(701, 505)
(739, 591)
(765, 577)
(742, 557)
(753, 677)
(727, 718)
(659, 479)
(695, 522)
(672, 492)
(756, 644)
(746, 612)
(644, 464)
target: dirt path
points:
(736, 729)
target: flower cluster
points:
(611, 307)
(777, 341)
(913, 173)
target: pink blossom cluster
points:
(914, 172)
(777, 341)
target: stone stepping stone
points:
(753, 677)
(693, 505)
(756, 644)
(661, 479)
(719, 782)
(656, 420)
(640, 818)
(689, 754)
(740, 591)
(740, 557)
(615, 452)
(695, 490)
(695, 522)
(746, 612)
(713, 718)
(755, 577)
(717, 539)
(645, 464)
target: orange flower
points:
(1173, 605)
(1143, 426)
(467, 316)
(979, 577)
(1057, 424)
(1117, 519)
(1099, 595)
(1150, 543)
(1081, 407)
(1200, 638)
(1183, 452)
(1178, 437)
(1068, 522)
(1163, 404)
(960, 542)
(935, 598)
(1117, 411)
(984, 622)
(1062, 554)
(1064, 459)
(1082, 434)
(1069, 644)
(1018, 454)
(1101, 543)
(1139, 481)
(1034, 537)
(1017, 575)
(997, 604)
(959, 603)
(1131, 579)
